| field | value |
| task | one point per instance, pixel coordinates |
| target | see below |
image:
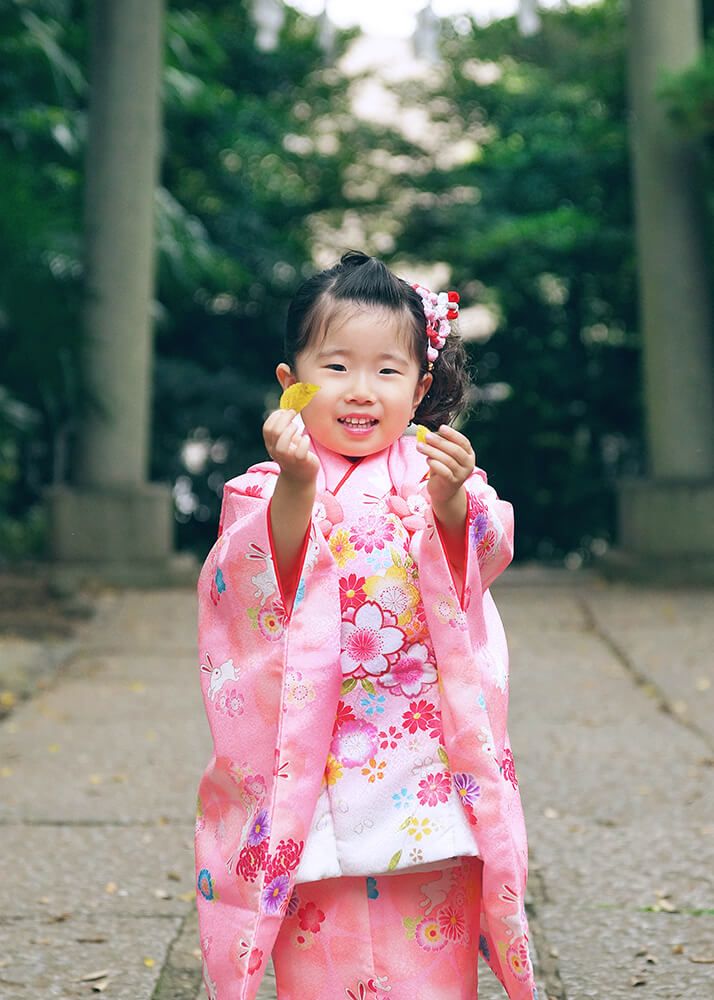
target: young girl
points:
(360, 818)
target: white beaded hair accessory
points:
(439, 308)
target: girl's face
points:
(369, 383)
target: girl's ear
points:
(284, 375)
(422, 387)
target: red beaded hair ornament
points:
(439, 309)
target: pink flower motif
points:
(429, 935)
(230, 702)
(310, 917)
(487, 545)
(421, 715)
(253, 490)
(410, 505)
(343, 714)
(451, 923)
(412, 671)
(355, 742)
(271, 622)
(255, 961)
(369, 639)
(372, 532)
(433, 789)
(518, 959)
(509, 768)
(352, 591)
(327, 511)
(389, 738)
(478, 518)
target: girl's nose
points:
(361, 391)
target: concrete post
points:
(666, 524)
(111, 521)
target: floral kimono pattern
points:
(292, 697)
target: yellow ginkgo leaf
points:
(297, 396)
(422, 432)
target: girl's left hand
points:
(451, 461)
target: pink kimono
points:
(378, 652)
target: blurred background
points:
(481, 146)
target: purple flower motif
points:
(275, 894)
(465, 785)
(259, 828)
(478, 526)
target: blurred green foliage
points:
(261, 154)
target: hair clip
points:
(439, 308)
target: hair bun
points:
(354, 258)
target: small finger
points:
(439, 469)
(433, 452)
(286, 436)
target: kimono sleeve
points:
(489, 528)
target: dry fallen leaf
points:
(297, 396)
(638, 981)
(100, 986)
(7, 699)
(162, 894)
(95, 939)
(677, 949)
(702, 959)
(149, 962)
(101, 974)
(188, 896)
(57, 918)
(174, 876)
(550, 813)
(111, 887)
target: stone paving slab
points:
(109, 871)
(44, 958)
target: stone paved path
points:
(612, 724)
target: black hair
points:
(365, 280)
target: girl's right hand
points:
(290, 448)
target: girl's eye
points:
(391, 371)
(337, 367)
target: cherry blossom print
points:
(518, 959)
(341, 547)
(230, 702)
(433, 789)
(410, 506)
(466, 787)
(417, 828)
(413, 671)
(452, 923)
(389, 738)
(448, 611)
(327, 511)
(395, 592)
(355, 742)
(274, 896)
(509, 768)
(259, 828)
(402, 799)
(255, 961)
(420, 716)
(310, 916)
(253, 490)
(429, 935)
(352, 592)
(374, 769)
(486, 740)
(371, 532)
(369, 640)
(298, 692)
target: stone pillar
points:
(666, 522)
(111, 523)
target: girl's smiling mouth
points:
(356, 424)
